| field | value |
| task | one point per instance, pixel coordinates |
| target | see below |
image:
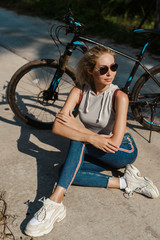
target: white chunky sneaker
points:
(43, 220)
(136, 183)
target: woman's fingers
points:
(110, 147)
(109, 150)
(61, 121)
(62, 116)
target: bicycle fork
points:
(51, 93)
(62, 66)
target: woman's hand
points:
(68, 120)
(104, 143)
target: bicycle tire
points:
(143, 94)
(25, 92)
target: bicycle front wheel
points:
(146, 99)
(26, 92)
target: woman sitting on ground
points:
(103, 136)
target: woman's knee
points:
(123, 161)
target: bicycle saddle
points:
(150, 31)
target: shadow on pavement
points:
(49, 158)
(49, 163)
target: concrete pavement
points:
(30, 159)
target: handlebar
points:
(72, 25)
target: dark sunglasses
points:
(104, 70)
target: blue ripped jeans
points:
(81, 169)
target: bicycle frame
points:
(80, 41)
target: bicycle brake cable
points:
(54, 39)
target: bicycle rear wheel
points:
(26, 88)
(144, 95)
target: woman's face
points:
(102, 77)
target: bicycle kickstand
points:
(153, 108)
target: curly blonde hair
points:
(88, 62)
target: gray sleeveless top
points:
(96, 111)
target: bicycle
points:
(38, 90)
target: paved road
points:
(31, 159)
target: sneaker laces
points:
(128, 193)
(41, 214)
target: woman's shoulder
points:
(76, 90)
(78, 93)
(121, 96)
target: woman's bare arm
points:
(65, 117)
(121, 109)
